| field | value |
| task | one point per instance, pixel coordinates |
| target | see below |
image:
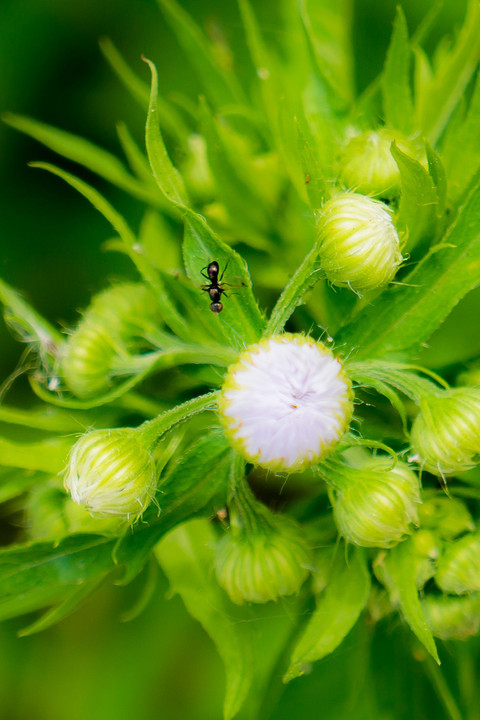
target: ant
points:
(215, 287)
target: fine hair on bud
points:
(113, 326)
(375, 505)
(445, 436)
(111, 473)
(358, 243)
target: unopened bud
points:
(110, 328)
(445, 435)
(452, 618)
(447, 516)
(112, 473)
(359, 246)
(267, 564)
(458, 569)
(368, 166)
(377, 504)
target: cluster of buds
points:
(117, 323)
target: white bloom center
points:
(286, 402)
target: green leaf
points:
(187, 488)
(337, 611)
(166, 175)
(40, 574)
(437, 172)
(408, 314)
(234, 191)
(186, 556)
(400, 575)
(438, 93)
(418, 202)
(139, 90)
(116, 220)
(396, 90)
(328, 28)
(73, 600)
(45, 418)
(87, 154)
(218, 80)
(241, 321)
(136, 159)
(15, 482)
(461, 149)
(304, 278)
(48, 456)
(26, 322)
(313, 169)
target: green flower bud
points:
(445, 435)
(368, 165)
(44, 513)
(269, 562)
(458, 569)
(427, 549)
(447, 516)
(452, 618)
(112, 473)
(375, 505)
(114, 325)
(359, 246)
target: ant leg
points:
(203, 275)
(223, 273)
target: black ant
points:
(215, 287)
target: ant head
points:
(216, 307)
(213, 270)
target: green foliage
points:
(237, 175)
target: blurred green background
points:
(160, 665)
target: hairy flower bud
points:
(426, 548)
(375, 505)
(445, 435)
(111, 473)
(264, 565)
(368, 166)
(286, 402)
(359, 246)
(112, 326)
(446, 516)
(458, 569)
(452, 618)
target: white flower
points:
(286, 402)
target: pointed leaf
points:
(397, 94)
(437, 97)
(400, 576)
(186, 556)
(337, 611)
(85, 153)
(418, 202)
(218, 81)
